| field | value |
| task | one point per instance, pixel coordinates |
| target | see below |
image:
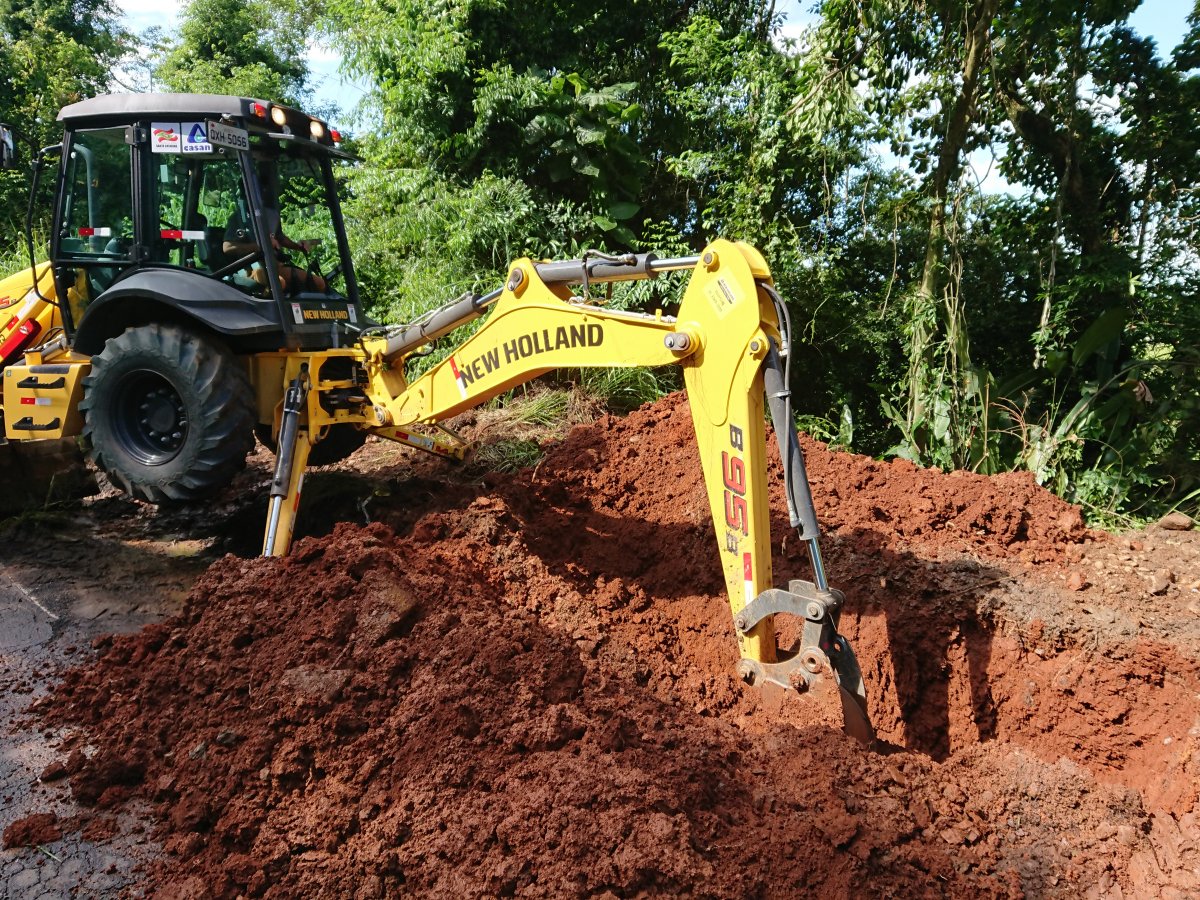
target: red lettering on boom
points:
(737, 512)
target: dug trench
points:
(525, 685)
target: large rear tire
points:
(168, 413)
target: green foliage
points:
(507, 455)
(625, 389)
(240, 47)
(13, 257)
(52, 53)
(837, 434)
(538, 408)
(1101, 430)
(421, 241)
(1050, 329)
(597, 114)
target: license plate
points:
(228, 136)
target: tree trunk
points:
(924, 312)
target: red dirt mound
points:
(532, 694)
(645, 466)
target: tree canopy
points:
(235, 47)
(52, 52)
(981, 211)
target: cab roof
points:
(129, 107)
(262, 116)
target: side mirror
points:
(8, 149)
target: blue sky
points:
(322, 61)
(1164, 20)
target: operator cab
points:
(223, 207)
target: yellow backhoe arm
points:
(729, 341)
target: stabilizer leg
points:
(290, 462)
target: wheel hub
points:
(161, 413)
(151, 420)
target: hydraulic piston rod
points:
(441, 321)
(470, 306)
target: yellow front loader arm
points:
(729, 341)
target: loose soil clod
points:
(526, 688)
(33, 831)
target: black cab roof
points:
(262, 116)
(138, 106)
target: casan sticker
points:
(165, 137)
(195, 138)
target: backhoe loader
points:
(161, 332)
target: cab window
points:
(197, 199)
(97, 203)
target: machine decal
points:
(733, 476)
(165, 137)
(31, 303)
(737, 513)
(176, 234)
(748, 576)
(195, 138)
(589, 335)
(532, 344)
(95, 232)
(419, 440)
(480, 366)
(721, 297)
(737, 439)
(458, 377)
(297, 313)
(325, 315)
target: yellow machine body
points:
(726, 336)
(26, 319)
(43, 381)
(41, 399)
